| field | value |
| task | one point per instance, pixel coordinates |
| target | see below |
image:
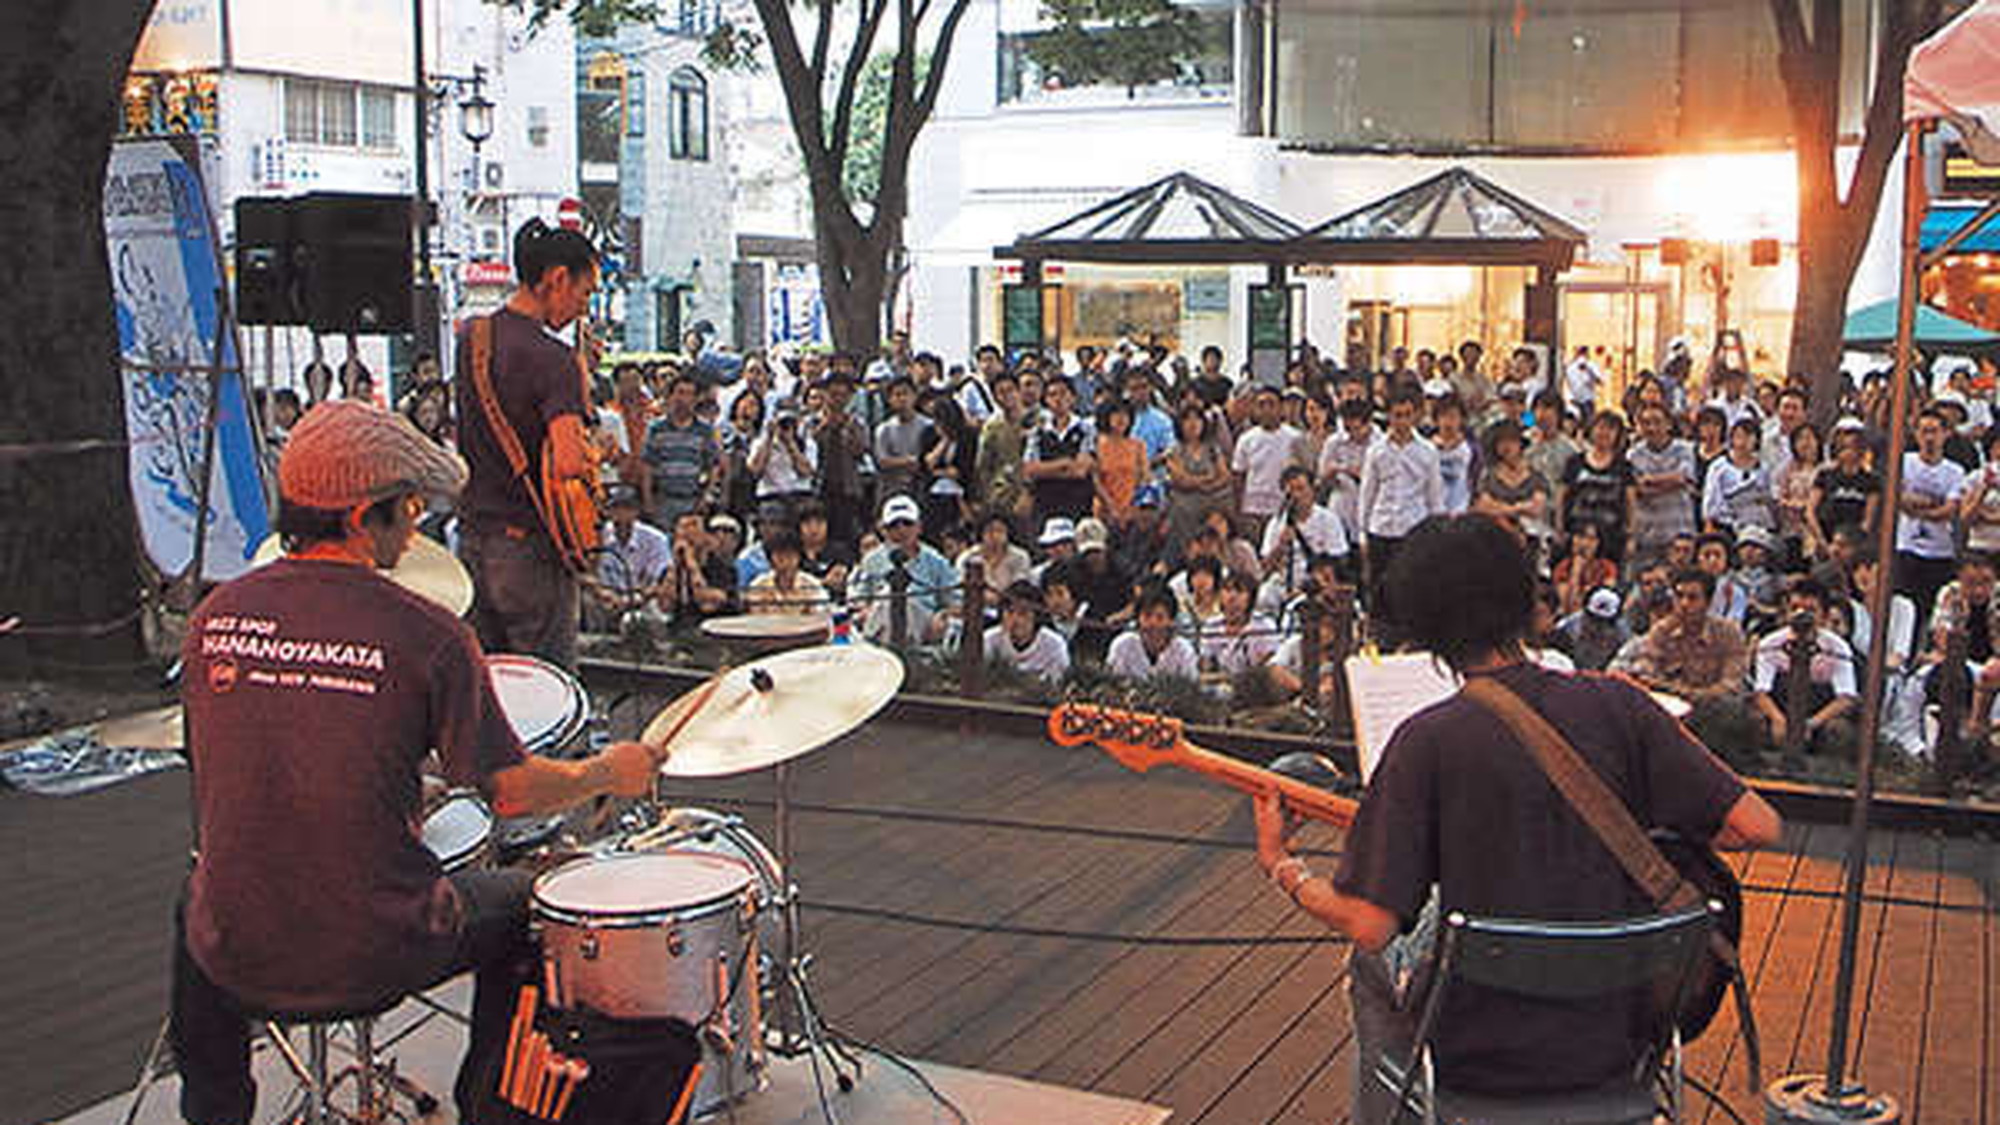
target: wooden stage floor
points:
(1001, 904)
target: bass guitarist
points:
(1459, 804)
(524, 593)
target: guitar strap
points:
(1607, 816)
(503, 430)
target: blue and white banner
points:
(168, 289)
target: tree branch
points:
(933, 81)
(831, 208)
(842, 137)
(823, 38)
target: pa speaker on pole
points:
(357, 262)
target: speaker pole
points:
(212, 418)
(423, 331)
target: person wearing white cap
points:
(315, 690)
(1594, 634)
(1058, 544)
(933, 589)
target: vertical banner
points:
(1271, 334)
(168, 292)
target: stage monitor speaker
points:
(267, 281)
(355, 251)
(1763, 251)
(1673, 251)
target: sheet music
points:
(1385, 690)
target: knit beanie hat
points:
(345, 453)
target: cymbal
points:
(426, 570)
(812, 696)
(767, 626)
(158, 729)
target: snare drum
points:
(646, 935)
(460, 831)
(548, 709)
(687, 829)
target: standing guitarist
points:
(524, 594)
(1459, 804)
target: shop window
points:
(378, 117)
(687, 93)
(1209, 74)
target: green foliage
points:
(861, 176)
(1129, 43)
(591, 17)
(734, 47)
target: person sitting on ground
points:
(1103, 591)
(933, 588)
(1153, 650)
(1001, 562)
(785, 588)
(1299, 532)
(1058, 545)
(1198, 592)
(1593, 635)
(1712, 557)
(1584, 570)
(1690, 653)
(1241, 639)
(1763, 588)
(703, 579)
(1059, 602)
(1833, 695)
(820, 555)
(634, 567)
(1021, 642)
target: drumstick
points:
(699, 698)
(545, 1080)
(531, 1071)
(575, 1070)
(687, 1094)
(524, 1014)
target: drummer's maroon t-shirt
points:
(314, 690)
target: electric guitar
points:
(1141, 741)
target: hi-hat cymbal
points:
(159, 729)
(426, 570)
(808, 697)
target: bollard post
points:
(972, 631)
(1309, 653)
(899, 606)
(1800, 648)
(1337, 653)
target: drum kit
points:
(680, 912)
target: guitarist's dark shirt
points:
(536, 381)
(1457, 801)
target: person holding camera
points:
(782, 460)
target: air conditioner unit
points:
(496, 175)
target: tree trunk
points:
(68, 544)
(1819, 316)
(853, 276)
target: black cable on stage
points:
(900, 1063)
(1714, 1098)
(1002, 928)
(1091, 831)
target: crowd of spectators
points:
(1152, 517)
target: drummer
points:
(314, 690)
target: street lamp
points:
(475, 113)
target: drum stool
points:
(377, 1085)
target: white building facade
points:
(1658, 129)
(294, 96)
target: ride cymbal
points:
(775, 709)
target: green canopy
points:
(1874, 329)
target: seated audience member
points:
(1057, 543)
(1198, 592)
(1059, 602)
(1003, 563)
(785, 588)
(1585, 569)
(933, 588)
(1235, 552)
(1153, 649)
(1103, 591)
(703, 578)
(820, 556)
(632, 572)
(1021, 642)
(1833, 694)
(1690, 652)
(1651, 597)
(1763, 586)
(1593, 635)
(1286, 668)
(1241, 639)
(1711, 557)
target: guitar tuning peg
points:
(1165, 734)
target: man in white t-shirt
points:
(1833, 692)
(1153, 649)
(1340, 462)
(632, 571)
(1260, 459)
(1926, 511)
(1582, 380)
(1021, 641)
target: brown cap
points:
(346, 452)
